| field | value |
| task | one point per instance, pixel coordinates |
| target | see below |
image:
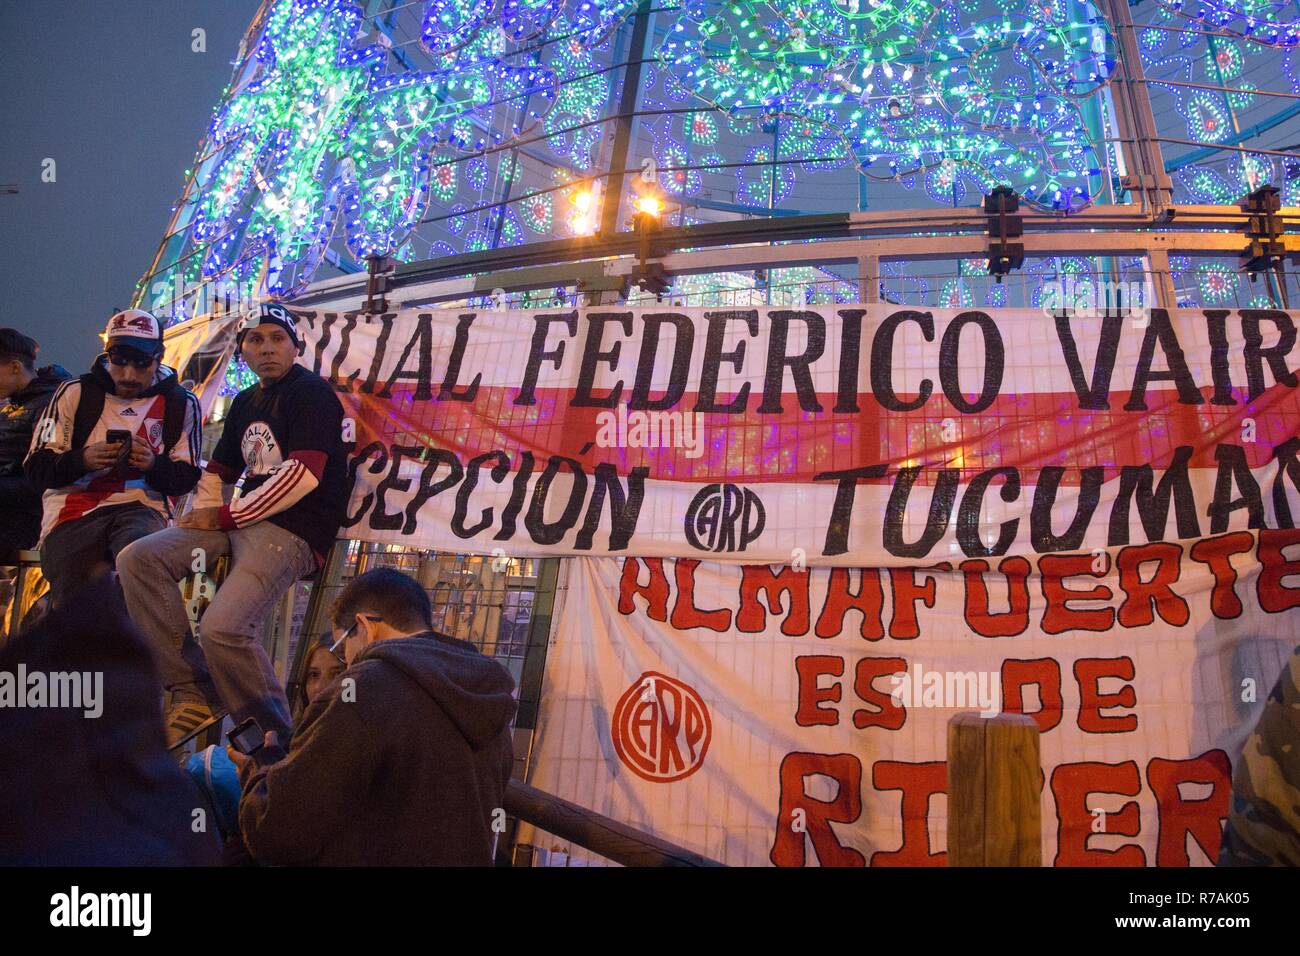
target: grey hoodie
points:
(401, 762)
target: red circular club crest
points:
(661, 728)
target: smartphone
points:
(248, 737)
(122, 436)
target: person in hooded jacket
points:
(101, 495)
(90, 783)
(402, 761)
(25, 390)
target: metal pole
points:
(530, 688)
(613, 197)
(1137, 119)
(510, 180)
(593, 831)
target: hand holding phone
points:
(122, 438)
(248, 737)
(108, 453)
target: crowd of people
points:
(400, 752)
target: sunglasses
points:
(348, 633)
(122, 359)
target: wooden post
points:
(376, 284)
(994, 788)
(869, 279)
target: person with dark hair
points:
(89, 783)
(25, 391)
(283, 441)
(389, 596)
(112, 450)
(405, 759)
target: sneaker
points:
(185, 720)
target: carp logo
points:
(661, 728)
(724, 518)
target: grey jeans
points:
(231, 667)
(78, 551)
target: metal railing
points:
(592, 831)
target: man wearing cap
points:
(283, 436)
(112, 449)
(25, 391)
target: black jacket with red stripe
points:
(285, 440)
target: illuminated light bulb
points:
(583, 201)
(649, 206)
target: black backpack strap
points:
(177, 399)
(90, 405)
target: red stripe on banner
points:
(1028, 431)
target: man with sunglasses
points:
(112, 450)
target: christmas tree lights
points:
(333, 137)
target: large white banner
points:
(829, 435)
(762, 715)
(1089, 518)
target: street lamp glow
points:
(649, 206)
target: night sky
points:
(111, 90)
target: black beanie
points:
(272, 313)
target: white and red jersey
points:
(142, 417)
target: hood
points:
(93, 790)
(46, 381)
(165, 380)
(474, 691)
